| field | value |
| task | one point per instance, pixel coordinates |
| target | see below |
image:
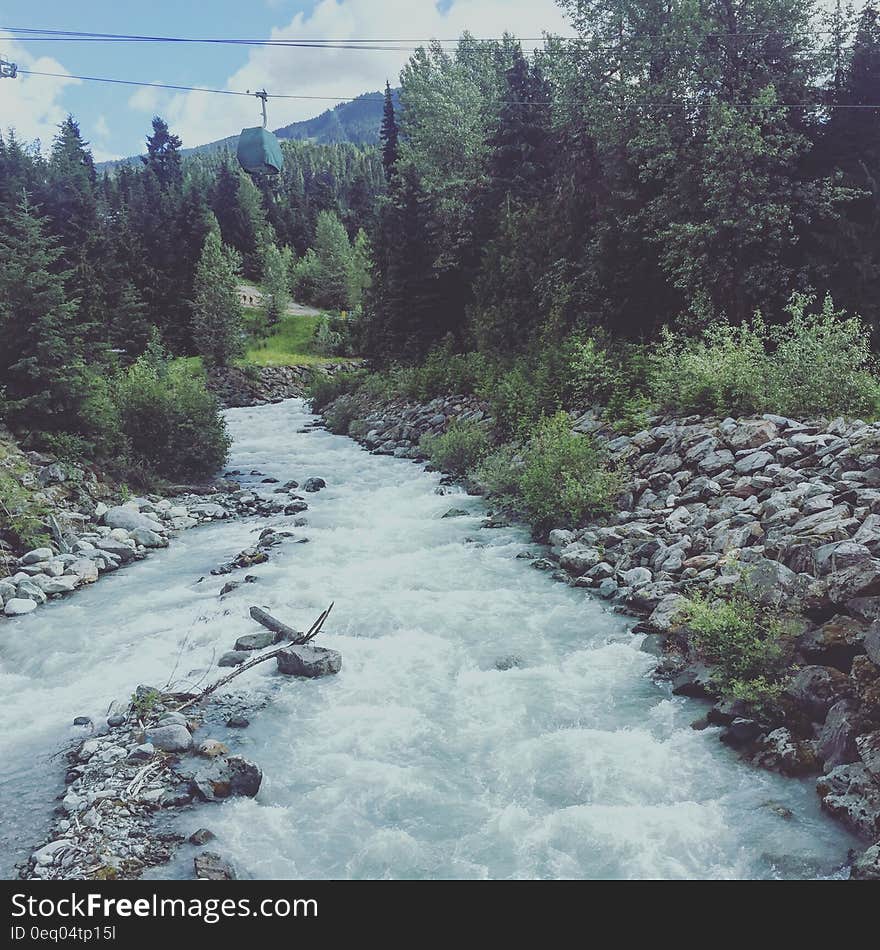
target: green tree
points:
(216, 309)
(276, 286)
(389, 135)
(41, 358)
(334, 255)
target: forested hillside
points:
(105, 279)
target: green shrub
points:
(322, 390)
(340, 414)
(615, 376)
(816, 363)
(747, 645)
(171, 421)
(23, 519)
(458, 449)
(498, 474)
(565, 477)
(822, 364)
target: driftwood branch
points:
(281, 630)
(300, 638)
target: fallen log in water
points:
(264, 618)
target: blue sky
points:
(116, 118)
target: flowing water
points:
(421, 758)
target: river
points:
(421, 759)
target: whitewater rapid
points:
(421, 759)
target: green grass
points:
(291, 343)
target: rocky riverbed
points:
(791, 506)
(258, 385)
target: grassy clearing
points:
(292, 342)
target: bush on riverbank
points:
(458, 449)
(747, 645)
(171, 423)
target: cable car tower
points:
(258, 150)
(8, 70)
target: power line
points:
(512, 102)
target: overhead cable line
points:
(512, 102)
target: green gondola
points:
(258, 150)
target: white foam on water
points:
(420, 759)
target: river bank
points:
(487, 722)
(793, 507)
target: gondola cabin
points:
(258, 150)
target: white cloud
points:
(32, 104)
(339, 73)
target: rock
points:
(836, 744)
(47, 855)
(815, 689)
(456, 513)
(637, 577)
(866, 866)
(37, 555)
(872, 642)
(752, 463)
(715, 462)
(142, 753)
(694, 680)
(740, 733)
(201, 836)
(225, 777)
(125, 552)
(780, 751)
(19, 606)
(835, 643)
(309, 661)
(211, 748)
(211, 867)
(129, 519)
(148, 539)
(773, 584)
(751, 433)
(254, 641)
(868, 747)
(578, 558)
(314, 484)
(851, 795)
(508, 663)
(665, 613)
(56, 585)
(84, 568)
(860, 580)
(234, 658)
(170, 738)
(237, 722)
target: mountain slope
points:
(357, 122)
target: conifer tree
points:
(217, 325)
(41, 357)
(389, 135)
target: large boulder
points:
(171, 738)
(18, 606)
(836, 744)
(781, 752)
(578, 558)
(851, 795)
(815, 689)
(308, 661)
(834, 643)
(227, 776)
(860, 580)
(130, 519)
(866, 866)
(868, 747)
(751, 433)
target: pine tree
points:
(276, 288)
(333, 252)
(41, 357)
(389, 135)
(163, 155)
(217, 320)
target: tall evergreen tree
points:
(217, 325)
(41, 356)
(163, 154)
(389, 135)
